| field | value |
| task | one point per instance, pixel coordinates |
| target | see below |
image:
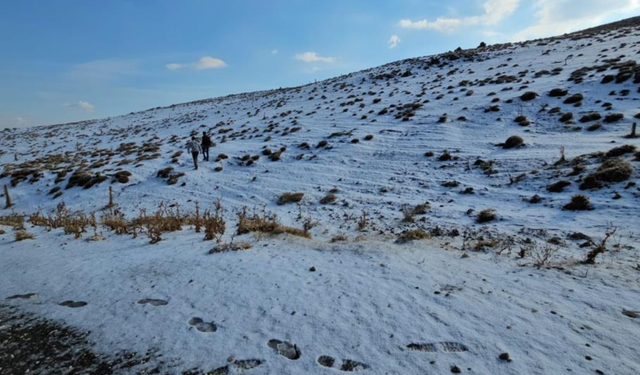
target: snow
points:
(366, 301)
(369, 297)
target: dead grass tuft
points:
(613, 170)
(22, 235)
(13, 220)
(412, 235)
(265, 223)
(339, 238)
(578, 202)
(286, 198)
(329, 198)
(486, 216)
(214, 223)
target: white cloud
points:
(555, 17)
(174, 66)
(494, 12)
(81, 104)
(312, 57)
(208, 62)
(86, 106)
(20, 120)
(394, 41)
(205, 62)
(274, 52)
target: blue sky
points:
(70, 60)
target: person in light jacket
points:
(193, 146)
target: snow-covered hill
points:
(463, 102)
(428, 132)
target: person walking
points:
(194, 148)
(206, 144)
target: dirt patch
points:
(32, 345)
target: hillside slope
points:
(463, 102)
(399, 273)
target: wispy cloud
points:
(205, 62)
(494, 12)
(174, 66)
(394, 41)
(555, 17)
(82, 105)
(312, 57)
(274, 51)
(101, 70)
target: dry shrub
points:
(409, 213)
(265, 223)
(78, 223)
(412, 235)
(290, 198)
(599, 248)
(38, 219)
(72, 223)
(542, 255)
(2, 231)
(363, 221)
(22, 235)
(486, 216)
(13, 220)
(165, 219)
(114, 220)
(214, 223)
(232, 246)
(578, 202)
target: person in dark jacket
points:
(206, 143)
(194, 148)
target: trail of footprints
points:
(282, 348)
(291, 351)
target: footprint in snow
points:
(73, 304)
(447, 347)
(285, 349)
(23, 296)
(203, 326)
(246, 364)
(219, 371)
(347, 364)
(153, 302)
